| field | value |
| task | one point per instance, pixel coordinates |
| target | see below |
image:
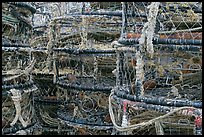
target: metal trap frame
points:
(18, 115)
(162, 76)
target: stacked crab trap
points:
(18, 115)
(159, 91)
(74, 52)
(102, 68)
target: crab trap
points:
(101, 68)
(18, 115)
(166, 68)
(76, 52)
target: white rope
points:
(149, 26)
(115, 43)
(21, 132)
(19, 72)
(16, 99)
(135, 126)
(139, 68)
(159, 128)
(83, 33)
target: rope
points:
(16, 99)
(159, 128)
(148, 29)
(135, 126)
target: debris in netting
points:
(102, 68)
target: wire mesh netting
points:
(17, 85)
(81, 58)
(180, 69)
(167, 62)
(102, 68)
